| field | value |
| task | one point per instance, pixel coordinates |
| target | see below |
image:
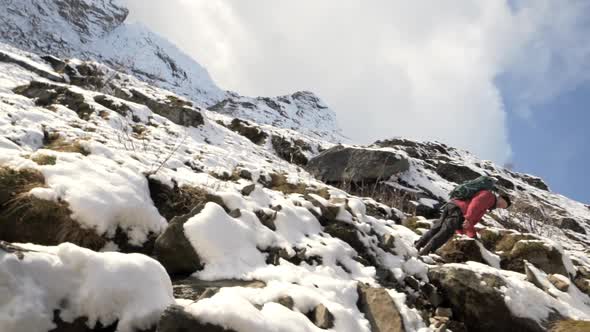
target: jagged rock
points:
(347, 233)
(460, 250)
(322, 317)
(538, 253)
(56, 63)
(379, 309)
(291, 151)
(534, 181)
(176, 319)
(286, 301)
(571, 224)
(111, 104)
(174, 251)
(412, 282)
(583, 284)
(247, 190)
(360, 166)
(248, 130)
(245, 174)
(173, 110)
(456, 173)
(46, 94)
(4, 57)
(532, 277)
(480, 305)
(195, 289)
(267, 218)
(559, 281)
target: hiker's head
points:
(503, 201)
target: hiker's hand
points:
(466, 224)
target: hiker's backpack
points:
(468, 189)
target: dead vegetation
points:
(178, 200)
(44, 159)
(26, 218)
(279, 183)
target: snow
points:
(105, 287)
(526, 300)
(227, 246)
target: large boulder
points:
(538, 253)
(476, 300)
(456, 173)
(379, 309)
(173, 249)
(355, 165)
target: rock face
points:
(176, 319)
(174, 251)
(302, 111)
(351, 165)
(379, 309)
(480, 306)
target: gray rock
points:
(362, 166)
(456, 173)
(286, 301)
(176, 319)
(480, 305)
(322, 317)
(174, 251)
(247, 190)
(174, 109)
(379, 309)
(560, 282)
(571, 224)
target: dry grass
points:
(25, 218)
(62, 145)
(176, 201)
(44, 159)
(570, 326)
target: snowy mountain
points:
(97, 30)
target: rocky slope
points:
(132, 209)
(97, 30)
(125, 205)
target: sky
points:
(506, 80)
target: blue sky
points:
(554, 143)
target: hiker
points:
(469, 202)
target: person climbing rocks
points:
(469, 202)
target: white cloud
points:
(418, 69)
